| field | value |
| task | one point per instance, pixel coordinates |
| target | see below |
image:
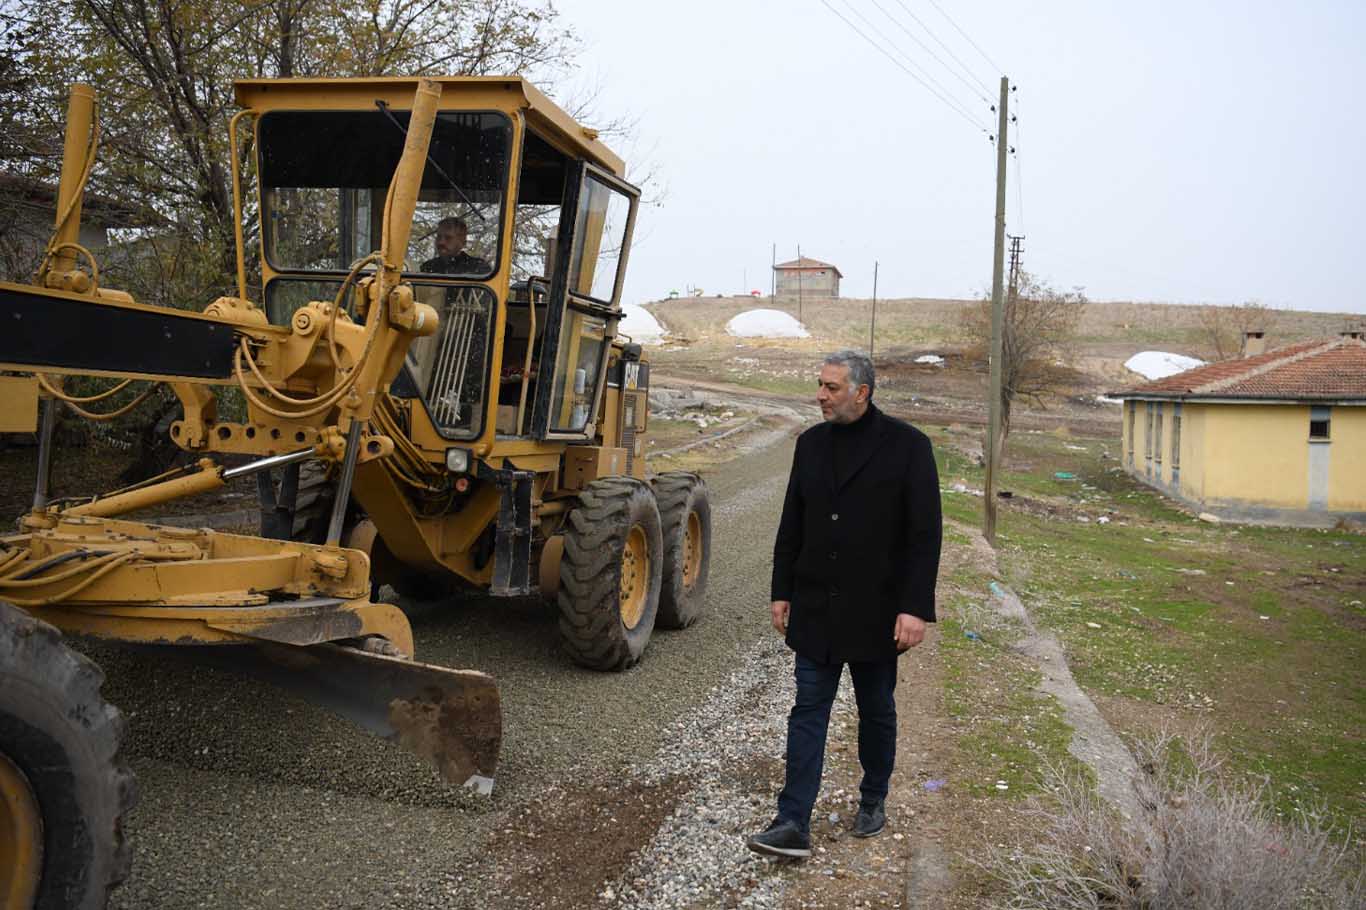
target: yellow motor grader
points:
(435, 397)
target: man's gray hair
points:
(860, 368)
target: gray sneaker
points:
(870, 821)
(782, 838)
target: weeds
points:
(1201, 842)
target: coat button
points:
(834, 592)
(834, 555)
(835, 516)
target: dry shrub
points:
(1201, 842)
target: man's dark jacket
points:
(854, 551)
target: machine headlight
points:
(458, 460)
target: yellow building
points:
(1277, 438)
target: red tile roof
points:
(806, 262)
(1326, 369)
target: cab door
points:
(585, 301)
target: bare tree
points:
(1222, 327)
(163, 71)
(1040, 324)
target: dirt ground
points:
(338, 821)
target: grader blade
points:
(451, 718)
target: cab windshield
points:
(325, 175)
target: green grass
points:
(1245, 629)
(1252, 632)
(1008, 732)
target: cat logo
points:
(630, 376)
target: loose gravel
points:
(251, 798)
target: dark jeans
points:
(874, 683)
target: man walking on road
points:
(854, 569)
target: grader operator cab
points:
(436, 397)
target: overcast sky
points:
(1167, 151)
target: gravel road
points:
(253, 799)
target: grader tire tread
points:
(306, 519)
(313, 508)
(67, 740)
(595, 535)
(678, 494)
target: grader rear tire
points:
(610, 574)
(685, 516)
(64, 789)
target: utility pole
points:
(872, 323)
(991, 448)
(1013, 282)
(799, 283)
(773, 276)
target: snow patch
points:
(1160, 364)
(766, 324)
(934, 359)
(640, 324)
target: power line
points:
(948, 50)
(953, 107)
(926, 48)
(965, 36)
(905, 56)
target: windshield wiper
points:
(384, 108)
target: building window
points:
(1148, 436)
(1157, 439)
(1176, 442)
(1319, 423)
(1133, 413)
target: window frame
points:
(1321, 414)
(1176, 441)
(1157, 437)
(272, 271)
(563, 300)
(1148, 436)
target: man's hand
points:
(908, 632)
(781, 609)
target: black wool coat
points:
(851, 555)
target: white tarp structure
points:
(640, 324)
(1160, 364)
(766, 324)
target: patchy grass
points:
(1256, 632)
(1008, 732)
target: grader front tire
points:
(685, 515)
(301, 507)
(59, 753)
(610, 574)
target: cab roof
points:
(505, 93)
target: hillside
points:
(1109, 334)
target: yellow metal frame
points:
(306, 383)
